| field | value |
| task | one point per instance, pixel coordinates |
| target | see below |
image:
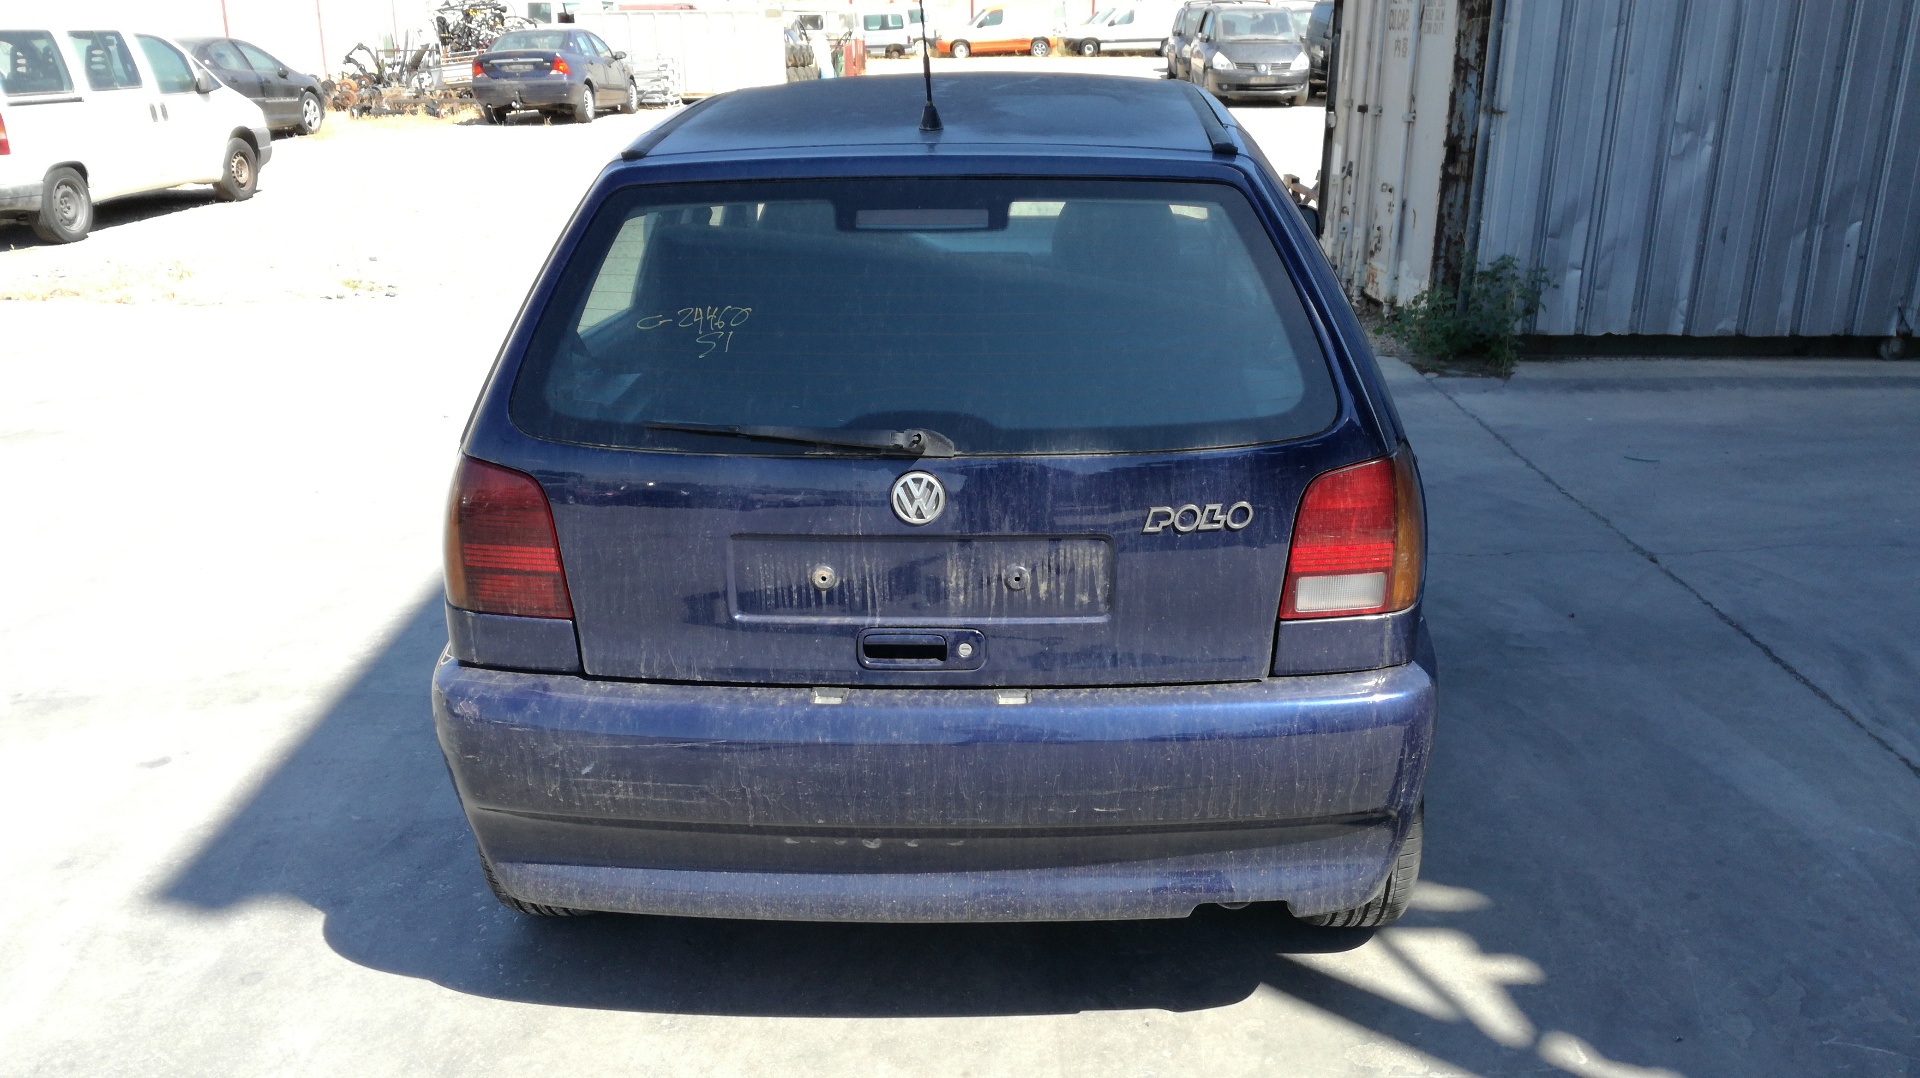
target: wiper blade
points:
(914, 441)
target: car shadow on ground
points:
(360, 822)
(119, 211)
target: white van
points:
(893, 31)
(88, 114)
(1137, 27)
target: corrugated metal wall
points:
(1699, 167)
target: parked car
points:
(805, 562)
(1000, 30)
(1186, 22)
(569, 73)
(1138, 27)
(1086, 36)
(1320, 41)
(891, 31)
(92, 114)
(292, 101)
(1250, 51)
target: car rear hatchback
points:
(1000, 522)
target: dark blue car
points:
(1000, 522)
(570, 73)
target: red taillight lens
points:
(560, 66)
(1356, 542)
(502, 554)
(5, 146)
(478, 70)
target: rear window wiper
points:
(914, 441)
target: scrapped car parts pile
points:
(473, 26)
(659, 79)
(429, 78)
(392, 82)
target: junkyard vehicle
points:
(1251, 51)
(92, 114)
(1000, 30)
(1320, 40)
(1138, 27)
(293, 101)
(1186, 23)
(804, 562)
(893, 31)
(564, 72)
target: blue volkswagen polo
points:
(1004, 521)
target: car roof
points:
(1007, 109)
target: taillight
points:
(1356, 542)
(478, 70)
(5, 146)
(502, 554)
(560, 66)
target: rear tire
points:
(1089, 48)
(1387, 906)
(531, 909)
(961, 50)
(631, 104)
(1039, 47)
(239, 173)
(66, 207)
(312, 114)
(584, 109)
(493, 114)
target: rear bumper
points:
(937, 804)
(542, 91)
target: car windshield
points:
(1012, 316)
(1254, 26)
(547, 40)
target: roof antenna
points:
(929, 116)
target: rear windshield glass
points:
(1012, 316)
(548, 40)
(29, 64)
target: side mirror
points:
(282, 72)
(619, 55)
(203, 83)
(1313, 219)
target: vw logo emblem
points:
(918, 498)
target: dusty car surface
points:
(804, 562)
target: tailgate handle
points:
(904, 649)
(922, 649)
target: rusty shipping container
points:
(1676, 167)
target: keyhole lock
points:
(823, 577)
(965, 651)
(1018, 577)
